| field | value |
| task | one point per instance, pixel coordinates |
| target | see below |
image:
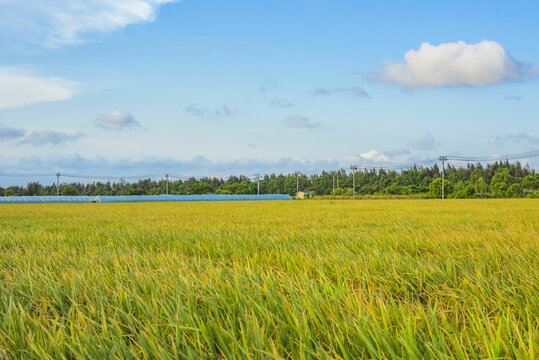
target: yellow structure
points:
(302, 195)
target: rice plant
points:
(405, 279)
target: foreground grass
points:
(271, 280)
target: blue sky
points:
(207, 87)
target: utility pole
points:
(443, 159)
(354, 168)
(57, 184)
(297, 182)
(257, 184)
(333, 193)
(166, 176)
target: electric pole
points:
(443, 159)
(333, 193)
(57, 184)
(354, 168)
(297, 182)
(166, 177)
(257, 184)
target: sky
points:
(214, 87)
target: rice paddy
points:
(410, 279)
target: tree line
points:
(495, 180)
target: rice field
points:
(395, 279)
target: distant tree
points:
(531, 182)
(435, 188)
(33, 189)
(9, 192)
(480, 187)
(499, 189)
(502, 175)
(69, 191)
(223, 192)
(136, 192)
(201, 188)
(514, 191)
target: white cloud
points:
(518, 138)
(355, 90)
(116, 121)
(195, 109)
(49, 137)
(426, 142)
(299, 121)
(63, 22)
(19, 88)
(454, 64)
(375, 155)
(281, 103)
(375, 158)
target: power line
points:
(420, 163)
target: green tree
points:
(9, 192)
(201, 188)
(514, 191)
(531, 182)
(502, 175)
(69, 191)
(499, 189)
(435, 188)
(480, 187)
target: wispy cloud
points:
(196, 166)
(426, 142)
(518, 138)
(454, 64)
(268, 86)
(19, 87)
(49, 137)
(355, 90)
(206, 112)
(116, 121)
(299, 121)
(281, 103)
(512, 98)
(38, 137)
(7, 133)
(57, 23)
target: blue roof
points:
(136, 198)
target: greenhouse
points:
(136, 198)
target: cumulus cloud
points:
(281, 103)
(7, 133)
(206, 112)
(355, 90)
(518, 138)
(299, 121)
(19, 88)
(392, 159)
(426, 142)
(375, 155)
(454, 64)
(56, 23)
(49, 137)
(116, 121)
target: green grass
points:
(269, 280)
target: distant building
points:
(302, 195)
